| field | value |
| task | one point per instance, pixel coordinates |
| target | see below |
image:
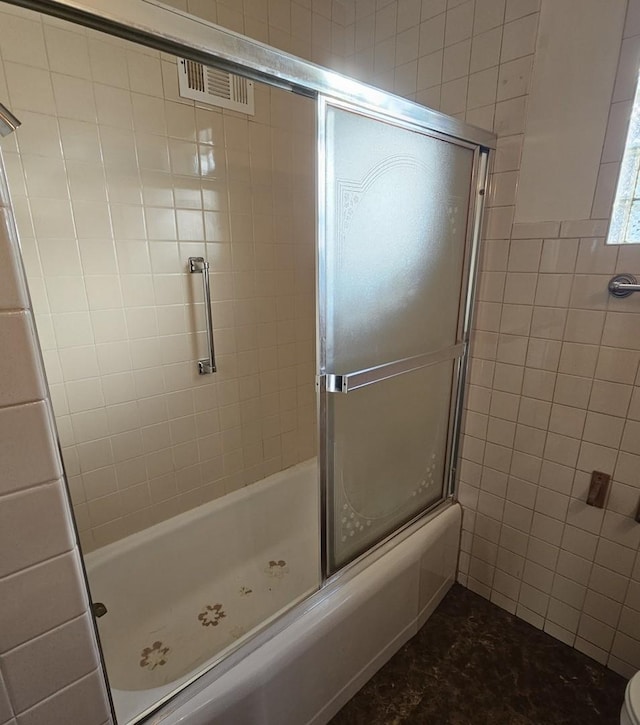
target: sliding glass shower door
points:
(395, 211)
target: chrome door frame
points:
(479, 189)
(458, 353)
(167, 29)
(178, 33)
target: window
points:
(625, 218)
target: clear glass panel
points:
(197, 526)
(396, 211)
(389, 443)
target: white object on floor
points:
(630, 713)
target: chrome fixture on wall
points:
(353, 381)
(199, 264)
(8, 122)
(622, 285)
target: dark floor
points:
(475, 663)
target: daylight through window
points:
(625, 218)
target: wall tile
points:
(519, 8)
(24, 428)
(513, 79)
(56, 583)
(83, 702)
(17, 339)
(485, 50)
(6, 711)
(29, 88)
(624, 89)
(519, 38)
(510, 117)
(12, 285)
(488, 14)
(583, 228)
(605, 190)
(37, 517)
(616, 132)
(62, 655)
(34, 524)
(23, 40)
(617, 365)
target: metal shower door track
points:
(172, 31)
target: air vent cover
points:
(216, 87)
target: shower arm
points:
(200, 264)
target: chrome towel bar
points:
(353, 381)
(200, 264)
(622, 285)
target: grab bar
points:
(352, 381)
(200, 264)
(622, 285)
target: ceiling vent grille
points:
(215, 87)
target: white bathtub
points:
(182, 593)
(248, 556)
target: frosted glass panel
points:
(389, 444)
(396, 215)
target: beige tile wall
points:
(310, 29)
(587, 569)
(468, 58)
(49, 672)
(554, 395)
(116, 181)
(49, 663)
(554, 387)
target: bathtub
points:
(183, 593)
(197, 591)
